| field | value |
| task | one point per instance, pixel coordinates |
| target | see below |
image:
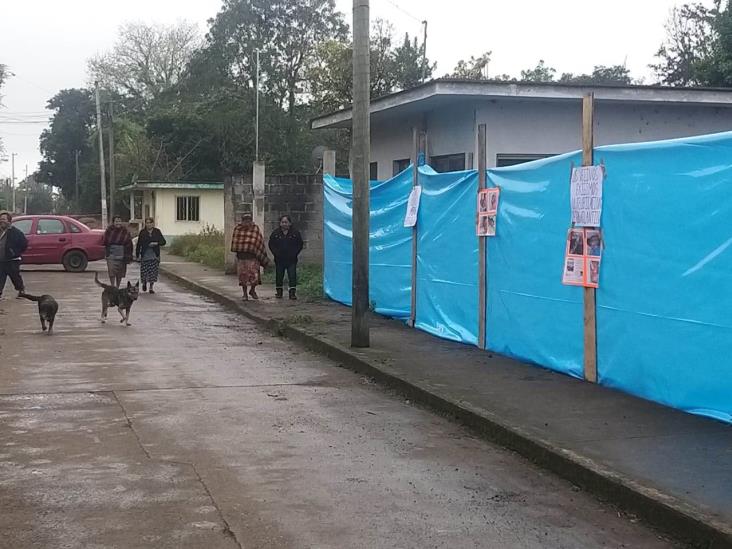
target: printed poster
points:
(487, 211)
(582, 258)
(410, 220)
(586, 195)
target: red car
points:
(57, 239)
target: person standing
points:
(247, 243)
(12, 245)
(286, 245)
(118, 243)
(149, 242)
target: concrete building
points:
(526, 121)
(180, 207)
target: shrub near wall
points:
(206, 247)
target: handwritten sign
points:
(410, 220)
(586, 195)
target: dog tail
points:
(29, 297)
(96, 280)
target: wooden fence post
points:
(419, 140)
(481, 241)
(590, 318)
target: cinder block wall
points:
(299, 196)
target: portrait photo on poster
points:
(486, 225)
(575, 242)
(574, 271)
(482, 202)
(593, 242)
(593, 272)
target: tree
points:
(540, 73)
(690, 44)
(476, 68)
(601, 76)
(285, 32)
(392, 68)
(71, 130)
(146, 60)
(410, 64)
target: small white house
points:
(178, 207)
(526, 121)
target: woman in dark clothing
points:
(149, 242)
(118, 243)
(285, 244)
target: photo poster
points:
(487, 211)
(410, 219)
(582, 258)
(585, 195)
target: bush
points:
(206, 247)
(309, 279)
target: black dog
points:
(122, 298)
(47, 309)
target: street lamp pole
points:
(12, 176)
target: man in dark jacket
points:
(285, 244)
(12, 244)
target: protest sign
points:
(586, 195)
(487, 211)
(582, 258)
(410, 219)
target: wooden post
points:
(419, 140)
(590, 320)
(481, 241)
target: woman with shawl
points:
(118, 244)
(247, 243)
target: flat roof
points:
(183, 185)
(437, 93)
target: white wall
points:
(539, 127)
(211, 211)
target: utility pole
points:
(361, 154)
(256, 128)
(25, 198)
(76, 186)
(12, 177)
(101, 157)
(424, 52)
(112, 182)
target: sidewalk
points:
(670, 468)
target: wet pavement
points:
(195, 428)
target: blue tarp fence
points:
(664, 306)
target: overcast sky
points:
(46, 42)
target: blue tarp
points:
(390, 247)
(665, 299)
(447, 255)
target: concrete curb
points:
(662, 511)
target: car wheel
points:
(75, 261)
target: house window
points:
(374, 171)
(503, 160)
(401, 165)
(448, 162)
(188, 208)
(137, 203)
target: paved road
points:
(193, 428)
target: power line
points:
(405, 12)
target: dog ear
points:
(138, 284)
(129, 284)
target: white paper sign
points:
(586, 195)
(410, 220)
